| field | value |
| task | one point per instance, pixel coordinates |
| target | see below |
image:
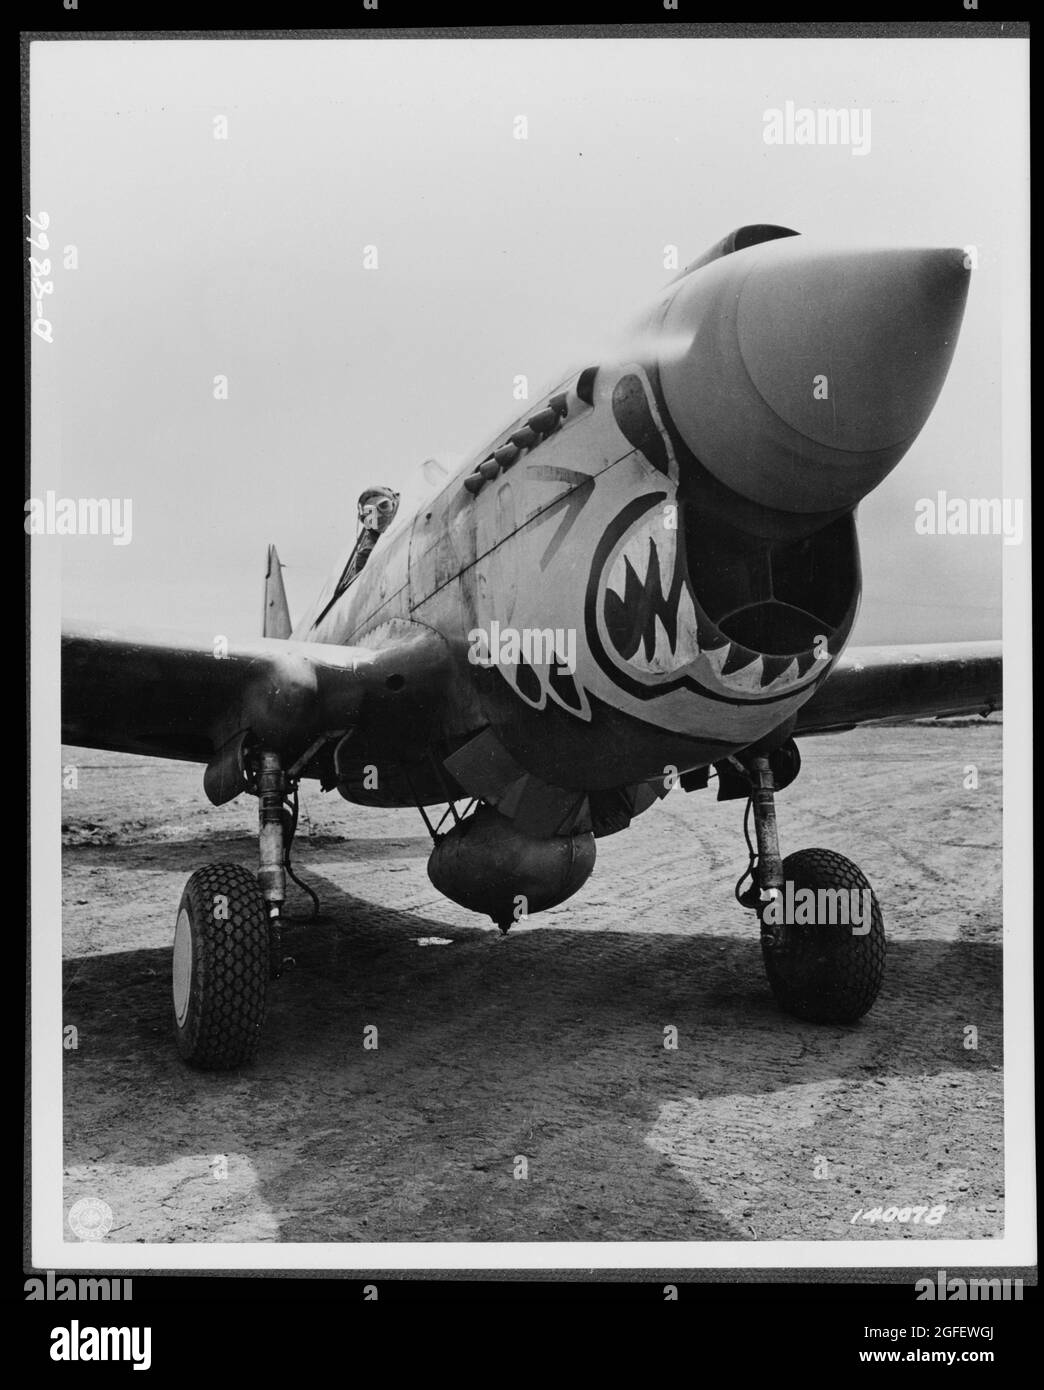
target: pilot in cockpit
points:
(377, 508)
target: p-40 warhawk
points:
(682, 519)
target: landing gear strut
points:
(271, 874)
(227, 940)
(822, 935)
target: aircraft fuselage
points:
(681, 520)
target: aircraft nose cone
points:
(809, 374)
(874, 332)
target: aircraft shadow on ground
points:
(546, 1043)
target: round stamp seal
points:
(90, 1218)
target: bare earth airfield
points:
(546, 1045)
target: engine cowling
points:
(486, 865)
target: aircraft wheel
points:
(830, 970)
(220, 967)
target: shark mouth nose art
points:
(763, 629)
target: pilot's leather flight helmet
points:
(377, 508)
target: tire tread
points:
(230, 969)
(824, 973)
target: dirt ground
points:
(548, 1045)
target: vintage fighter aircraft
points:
(682, 518)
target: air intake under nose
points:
(772, 628)
(805, 374)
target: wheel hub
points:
(182, 968)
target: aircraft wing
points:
(175, 696)
(907, 682)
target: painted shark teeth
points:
(643, 586)
(736, 667)
(642, 551)
(639, 589)
(741, 669)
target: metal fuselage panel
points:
(587, 523)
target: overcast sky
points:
(497, 256)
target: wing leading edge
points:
(906, 682)
(170, 695)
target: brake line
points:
(294, 812)
(752, 852)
